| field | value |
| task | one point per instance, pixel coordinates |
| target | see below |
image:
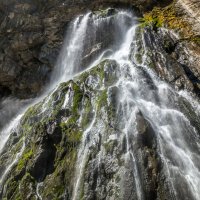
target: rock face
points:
(31, 36)
(28, 47)
(180, 67)
(51, 144)
(189, 10)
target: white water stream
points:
(173, 129)
(13, 162)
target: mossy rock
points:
(169, 18)
(40, 128)
(23, 161)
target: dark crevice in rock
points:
(190, 74)
(4, 91)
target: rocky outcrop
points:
(172, 32)
(28, 48)
(189, 10)
(51, 143)
(170, 57)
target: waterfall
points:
(9, 167)
(140, 94)
(84, 40)
(38, 189)
(123, 21)
(157, 102)
(172, 128)
(11, 127)
(72, 50)
(82, 35)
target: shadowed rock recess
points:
(111, 111)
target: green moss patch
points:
(23, 161)
(78, 95)
(168, 17)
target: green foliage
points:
(34, 127)
(61, 179)
(31, 112)
(166, 16)
(196, 38)
(23, 161)
(72, 132)
(98, 71)
(78, 95)
(154, 18)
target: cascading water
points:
(171, 126)
(70, 57)
(141, 96)
(84, 40)
(141, 91)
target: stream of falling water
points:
(173, 130)
(64, 73)
(178, 139)
(129, 112)
(82, 155)
(11, 127)
(13, 162)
